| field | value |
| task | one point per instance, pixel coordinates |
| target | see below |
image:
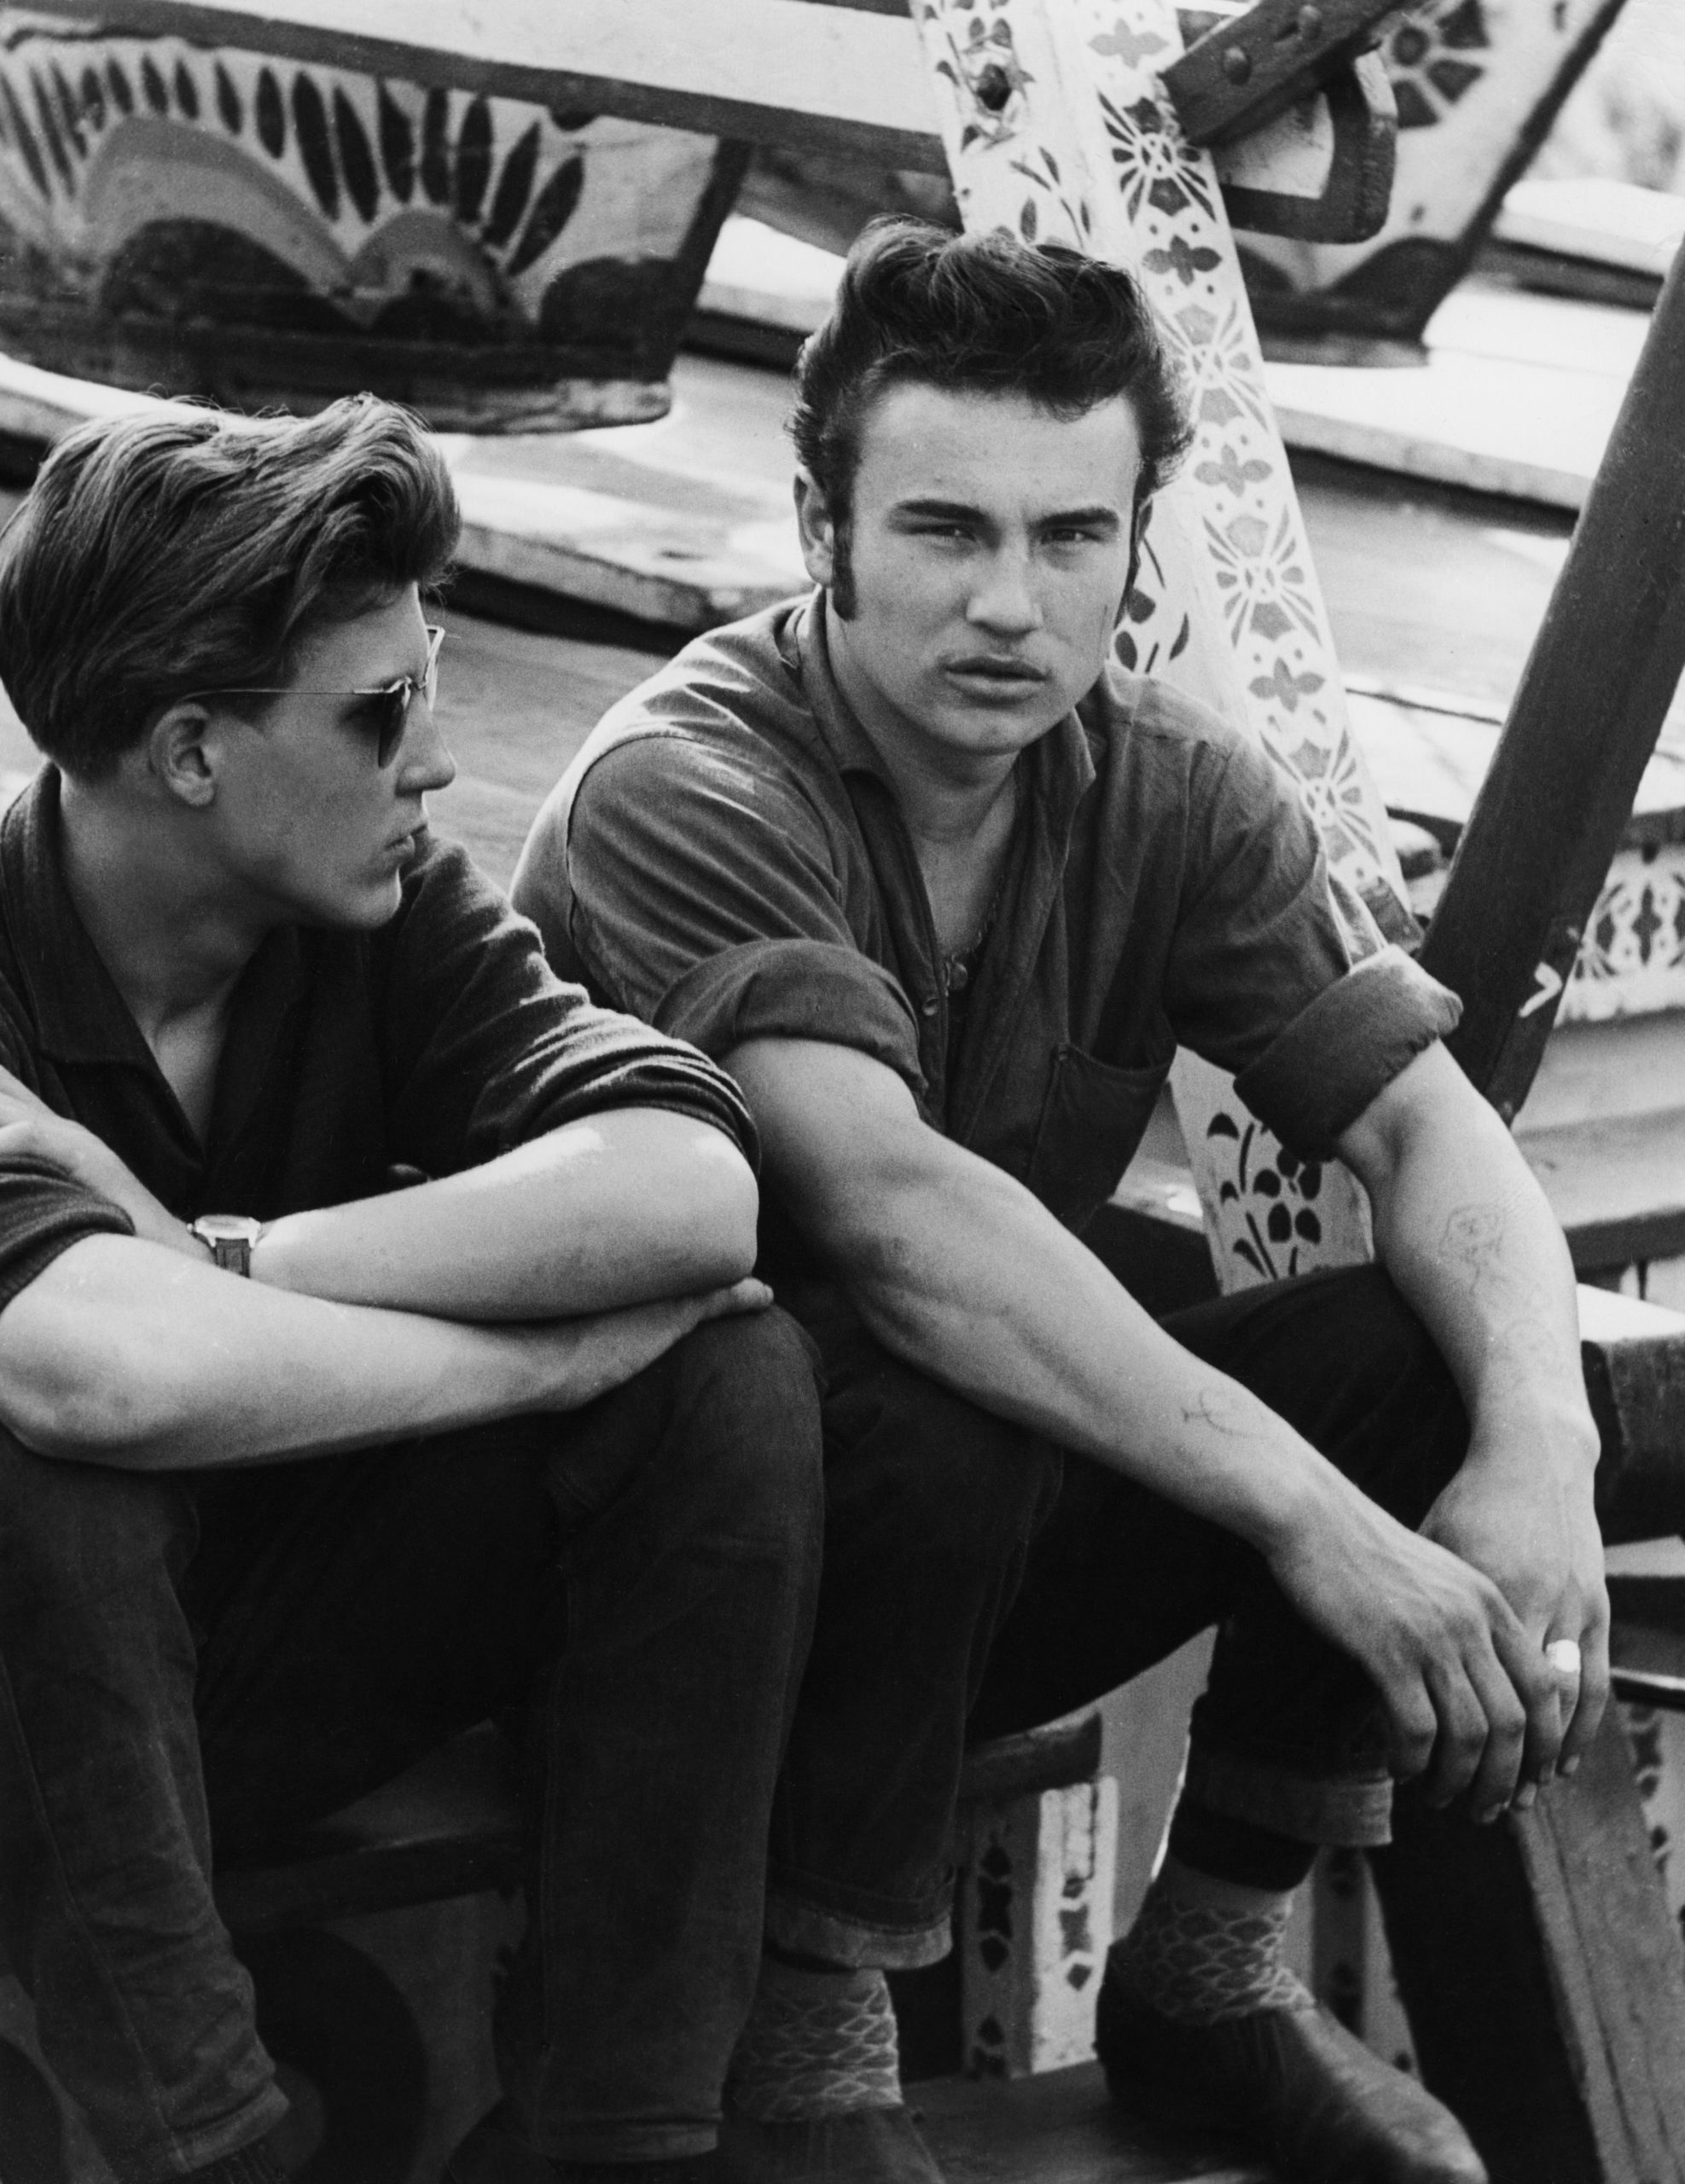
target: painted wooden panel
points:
(209, 221)
(1476, 84)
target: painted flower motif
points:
(982, 64)
(1639, 923)
(1427, 59)
(1334, 793)
(1224, 386)
(1263, 584)
(1154, 165)
(1267, 1197)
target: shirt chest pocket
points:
(1092, 1121)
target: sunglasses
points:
(394, 700)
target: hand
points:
(1466, 1689)
(30, 1127)
(1527, 1523)
(583, 1358)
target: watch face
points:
(227, 1227)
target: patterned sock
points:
(817, 2043)
(1200, 1950)
(252, 2164)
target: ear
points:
(185, 754)
(817, 529)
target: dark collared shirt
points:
(727, 858)
(436, 1043)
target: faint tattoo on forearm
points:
(1518, 1312)
(1221, 1410)
(1473, 1242)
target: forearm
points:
(1469, 1239)
(965, 1275)
(629, 1206)
(123, 1353)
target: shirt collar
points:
(1064, 762)
(80, 1015)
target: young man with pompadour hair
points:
(377, 1348)
(945, 889)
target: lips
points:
(985, 668)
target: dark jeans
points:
(191, 1658)
(976, 1581)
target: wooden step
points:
(1063, 2127)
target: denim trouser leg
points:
(690, 1590)
(1289, 1733)
(931, 1504)
(940, 1553)
(351, 1613)
(104, 1842)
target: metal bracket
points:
(1244, 72)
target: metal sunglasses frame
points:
(403, 694)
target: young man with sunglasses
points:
(944, 890)
(375, 1330)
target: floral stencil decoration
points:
(1427, 59)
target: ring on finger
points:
(1564, 1657)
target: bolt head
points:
(1310, 21)
(1237, 65)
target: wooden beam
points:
(1543, 1978)
(1592, 699)
(1244, 72)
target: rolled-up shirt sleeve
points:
(704, 895)
(43, 1212)
(486, 1048)
(1279, 973)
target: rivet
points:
(1237, 65)
(1310, 26)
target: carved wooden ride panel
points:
(1476, 84)
(211, 221)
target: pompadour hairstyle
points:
(979, 314)
(165, 554)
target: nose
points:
(424, 759)
(1005, 600)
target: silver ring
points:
(1563, 1656)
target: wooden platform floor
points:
(1063, 2129)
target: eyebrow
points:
(1098, 517)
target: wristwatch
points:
(229, 1238)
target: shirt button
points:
(928, 1005)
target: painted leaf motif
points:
(1271, 620)
(436, 145)
(397, 147)
(554, 208)
(473, 160)
(1026, 220)
(356, 157)
(309, 122)
(1181, 637)
(1219, 407)
(228, 100)
(1167, 197)
(514, 187)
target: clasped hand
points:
(1451, 1623)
